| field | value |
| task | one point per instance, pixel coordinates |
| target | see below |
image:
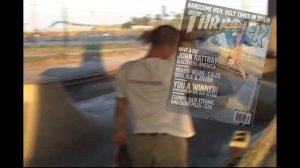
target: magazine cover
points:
(217, 75)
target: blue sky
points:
(117, 11)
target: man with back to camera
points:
(160, 137)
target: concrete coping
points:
(43, 80)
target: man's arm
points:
(120, 119)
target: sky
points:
(45, 12)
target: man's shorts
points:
(160, 150)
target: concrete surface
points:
(59, 133)
(263, 151)
(102, 65)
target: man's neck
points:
(155, 53)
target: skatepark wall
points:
(54, 128)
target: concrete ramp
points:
(263, 152)
(56, 132)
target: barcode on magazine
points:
(242, 117)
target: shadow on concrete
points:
(91, 63)
(56, 132)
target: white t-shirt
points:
(145, 84)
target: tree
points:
(126, 25)
(178, 16)
(134, 20)
(158, 17)
(145, 20)
(141, 21)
